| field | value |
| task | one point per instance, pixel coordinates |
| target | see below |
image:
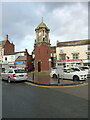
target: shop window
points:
(75, 56)
(62, 56)
(88, 56)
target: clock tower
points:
(42, 49)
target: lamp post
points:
(49, 64)
(33, 56)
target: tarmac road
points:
(20, 100)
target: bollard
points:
(58, 79)
(33, 76)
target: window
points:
(10, 71)
(6, 71)
(12, 57)
(75, 69)
(62, 56)
(20, 71)
(88, 47)
(5, 58)
(43, 39)
(75, 56)
(88, 56)
(61, 50)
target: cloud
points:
(66, 21)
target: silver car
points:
(14, 74)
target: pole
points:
(58, 79)
(33, 76)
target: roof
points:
(53, 47)
(21, 58)
(2, 43)
(42, 25)
(14, 53)
(73, 43)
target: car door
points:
(67, 74)
(5, 74)
(10, 73)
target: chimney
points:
(6, 37)
(26, 50)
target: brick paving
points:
(47, 80)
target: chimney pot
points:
(26, 50)
(6, 37)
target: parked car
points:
(14, 74)
(80, 69)
(87, 69)
(2, 70)
(68, 73)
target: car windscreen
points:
(84, 68)
(3, 69)
(20, 71)
(68, 70)
(75, 69)
(54, 68)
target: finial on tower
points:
(42, 19)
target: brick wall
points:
(42, 55)
(8, 47)
(28, 61)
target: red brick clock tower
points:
(42, 49)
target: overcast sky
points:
(67, 21)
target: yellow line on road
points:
(32, 84)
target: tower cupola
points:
(42, 33)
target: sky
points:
(67, 21)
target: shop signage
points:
(20, 62)
(73, 60)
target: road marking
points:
(32, 84)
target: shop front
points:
(86, 62)
(21, 64)
(69, 63)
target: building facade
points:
(20, 59)
(73, 53)
(42, 59)
(6, 47)
(53, 56)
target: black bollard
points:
(33, 76)
(58, 79)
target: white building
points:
(9, 60)
(73, 53)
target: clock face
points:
(39, 33)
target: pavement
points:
(46, 80)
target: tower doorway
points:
(39, 66)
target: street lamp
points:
(49, 64)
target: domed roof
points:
(42, 25)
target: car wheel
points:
(54, 76)
(9, 80)
(75, 78)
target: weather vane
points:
(42, 19)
